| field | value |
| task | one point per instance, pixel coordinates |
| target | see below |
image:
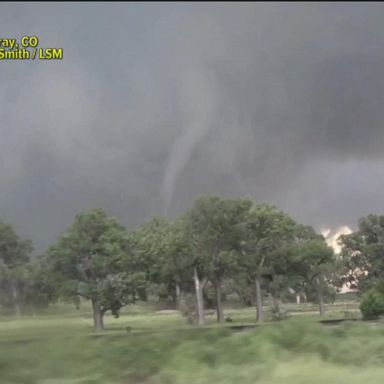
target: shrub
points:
(279, 314)
(188, 308)
(372, 304)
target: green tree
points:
(265, 233)
(162, 246)
(93, 260)
(40, 285)
(372, 302)
(313, 261)
(35, 285)
(212, 227)
(14, 256)
(363, 253)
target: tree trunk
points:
(199, 297)
(320, 297)
(275, 301)
(259, 299)
(15, 298)
(219, 303)
(178, 295)
(98, 322)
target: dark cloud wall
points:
(154, 104)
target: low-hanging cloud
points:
(155, 104)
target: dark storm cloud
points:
(154, 104)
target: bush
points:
(188, 308)
(372, 304)
(279, 314)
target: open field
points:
(146, 317)
(58, 347)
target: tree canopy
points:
(363, 253)
(93, 260)
(218, 244)
(14, 257)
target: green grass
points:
(59, 347)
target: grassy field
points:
(59, 347)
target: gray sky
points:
(154, 104)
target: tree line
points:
(219, 245)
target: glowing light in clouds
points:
(332, 236)
(331, 239)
